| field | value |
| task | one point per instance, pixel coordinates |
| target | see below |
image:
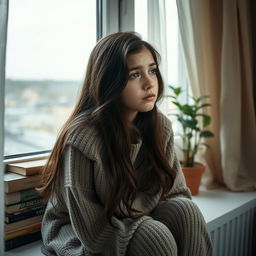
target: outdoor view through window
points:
(48, 46)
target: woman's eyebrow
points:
(140, 67)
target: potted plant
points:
(193, 123)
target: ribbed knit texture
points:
(71, 227)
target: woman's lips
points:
(149, 97)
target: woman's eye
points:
(153, 71)
(134, 75)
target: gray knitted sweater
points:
(69, 226)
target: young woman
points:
(114, 184)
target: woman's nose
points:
(148, 82)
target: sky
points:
(50, 39)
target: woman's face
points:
(141, 90)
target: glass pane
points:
(48, 46)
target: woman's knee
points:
(152, 238)
(178, 209)
(187, 208)
(185, 221)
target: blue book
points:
(17, 216)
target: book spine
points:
(34, 170)
(25, 171)
(22, 240)
(23, 205)
(13, 217)
(21, 196)
(22, 223)
(23, 231)
(22, 184)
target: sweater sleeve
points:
(85, 210)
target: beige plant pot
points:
(193, 176)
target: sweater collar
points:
(88, 141)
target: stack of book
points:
(24, 207)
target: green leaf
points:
(191, 123)
(176, 90)
(203, 106)
(177, 104)
(202, 98)
(182, 121)
(206, 119)
(187, 110)
(206, 134)
(195, 99)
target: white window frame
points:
(126, 15)
(110, 17)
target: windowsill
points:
(213, 204)
(218, 202)
(32, 249)
(26, 158)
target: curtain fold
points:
(3, 39)
(216, 39)
(237, 103)
(157, 37)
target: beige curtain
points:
(216, 40)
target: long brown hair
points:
(98, 104)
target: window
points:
(48, 46)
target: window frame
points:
(3, 30)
